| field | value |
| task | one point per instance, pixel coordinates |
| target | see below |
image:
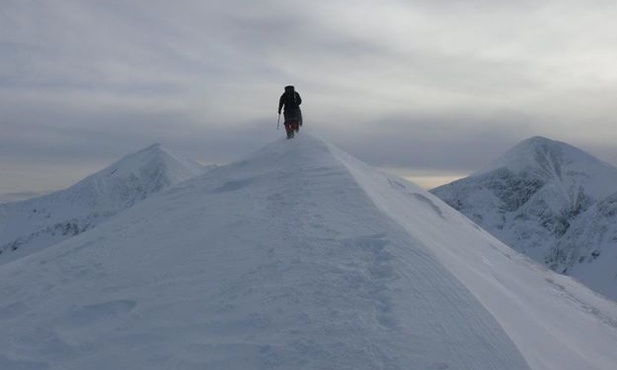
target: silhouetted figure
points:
(291, 100)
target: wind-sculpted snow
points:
(548, 200)
(298, 257)
(34, 224)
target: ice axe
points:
(278, 123)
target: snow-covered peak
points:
(548, 200)
(298, 257)
(134, 177)
(156, 157)
(36, 223)
(536, 153)
(551, 161)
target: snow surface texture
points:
(298, 257)
(551, 201)
(34, 224)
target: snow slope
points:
(16, 197)
(33, 224)
(588, 249)
(298, 257)
(550, 201)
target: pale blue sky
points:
(426, 88)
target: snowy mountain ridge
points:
(297, 257)
(36, 223)
(551, 201)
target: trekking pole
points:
(278, 123)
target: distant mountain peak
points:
(539, 145)
(39, 222)
(535, 198)
(550, 160)
(531, 154)
(155, 148)
(540, 140)
(156, 166)
(148, 153)
(152, 149)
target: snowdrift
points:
(298, 257)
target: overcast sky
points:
(426, 88)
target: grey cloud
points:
(95, 137)
(418, 84)
(459, 142)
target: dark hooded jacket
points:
(291, 100)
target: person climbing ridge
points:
(291, 100)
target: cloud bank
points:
(436, 86)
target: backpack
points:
(291, 98)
